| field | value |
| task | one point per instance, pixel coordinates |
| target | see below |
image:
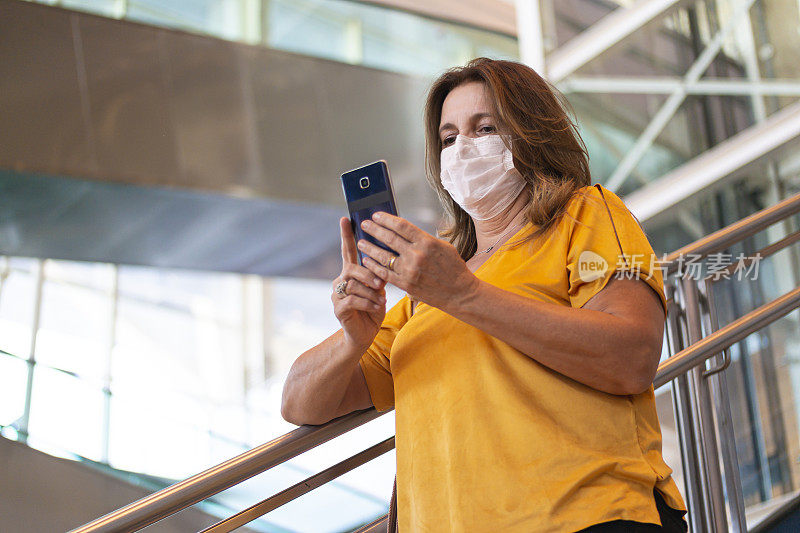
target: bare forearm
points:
(598, 349)
(318, 380)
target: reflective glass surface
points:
(346, 31)
(13, 379)
(168, 372)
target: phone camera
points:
(364, 182)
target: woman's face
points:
(467, 111)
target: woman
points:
(520, 364)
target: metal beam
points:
(674, 101)
(670, 84)
(529, 35)
(728, 157)
(604, 34)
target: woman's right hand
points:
(361, 311)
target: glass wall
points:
(167, 372)
(350, 32)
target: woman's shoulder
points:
(593, 196)
(595, 202)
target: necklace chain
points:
(489, 249)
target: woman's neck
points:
(497, 230)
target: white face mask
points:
(480, 176)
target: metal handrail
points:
(721, 339)
(298, 489)
(732, 234)
(197, 488)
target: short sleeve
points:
(597, 253)
(375, 361)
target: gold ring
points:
(390, 262)
(341, 289)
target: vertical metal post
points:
(24, 422)
(112, 341)
(682, 405)
(730, 459)
(704, 426)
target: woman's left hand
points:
(428, 269)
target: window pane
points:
(13, 379)
(222, 18)
(91, 275)
(17, 294)
(74, 329)
(66, 412)
(175, 351)
(158, 432)
(108, 8)
(306, 27)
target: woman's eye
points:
(447, 141)
(487, 129)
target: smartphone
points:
(368, 190)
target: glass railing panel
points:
(13, 380)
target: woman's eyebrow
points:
(474, 118)
(446, 127)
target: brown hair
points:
(548, 151)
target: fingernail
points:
(365, 224)
(376, 282)
(376, 306)
(377, 216)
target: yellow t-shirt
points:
(488, 439)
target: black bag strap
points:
(391, 523)
(616, 235)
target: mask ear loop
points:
(616, 236)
